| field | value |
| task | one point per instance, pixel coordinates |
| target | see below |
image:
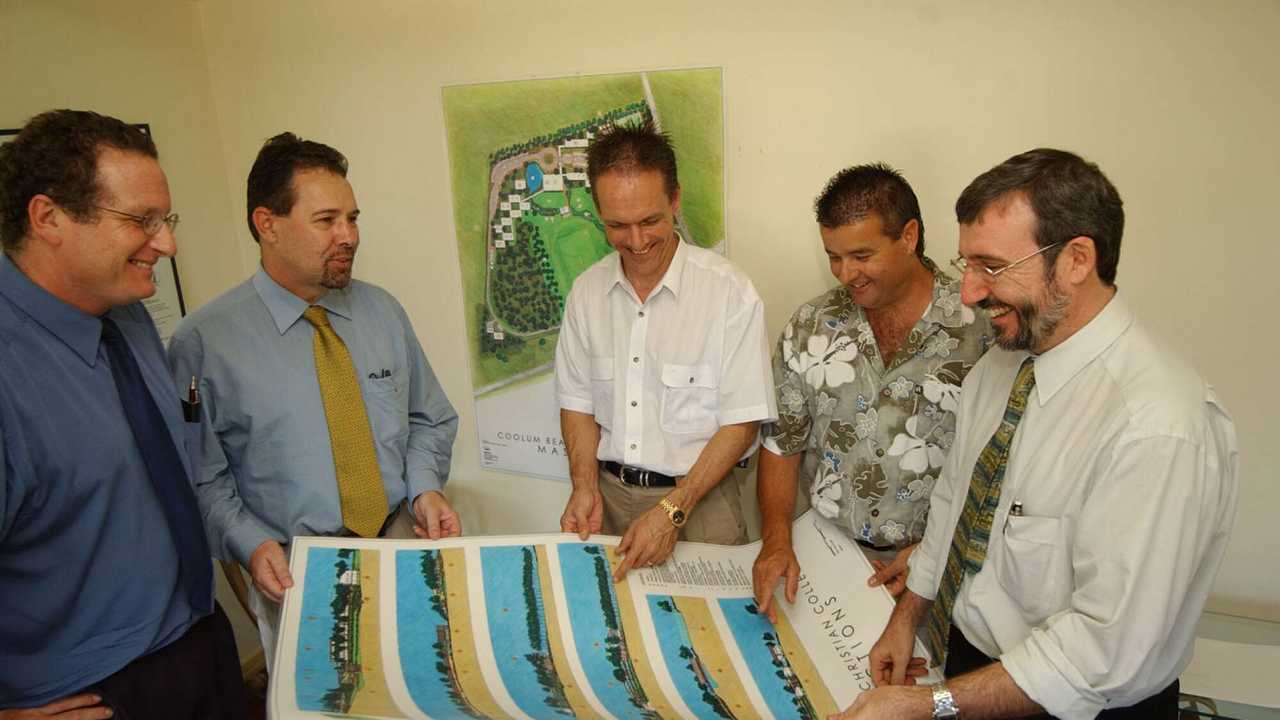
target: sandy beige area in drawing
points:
(715, 658)
(373, 697)
(462, 639)
(635, 646)
(802, 665)
(573, 693)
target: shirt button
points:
(641, 313)
(633, 446)
(634, 403)
(635, 359)
(875, 512)
(879, 452)
(885, 392)
(691, 380)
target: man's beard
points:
(334, 278)
(1035, 323)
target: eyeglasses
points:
(962, 265)
(151, 222)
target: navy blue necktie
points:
(164, 468)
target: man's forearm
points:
(776, 479)
(990, 692)
(581, 439)
(715, 461)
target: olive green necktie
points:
(364, 501)
(973, 529)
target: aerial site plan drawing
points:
(533, 627)
(527, 226)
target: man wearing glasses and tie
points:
(1081, 517)
(321, 413)
(106, 606)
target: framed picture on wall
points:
(166, 306)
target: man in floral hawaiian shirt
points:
(868, 376)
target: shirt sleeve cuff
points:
(1037, 666)
(425, 482)
(921, 579)
(748, 414)
(577, 404)
(242, 540)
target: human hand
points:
(890, 658)
(648, 541)
(434, 517)
(86, 706)
(269, 569)
(584, 513)
(893, 574)
(776, 561)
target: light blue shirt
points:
(88, 568)
(266, 465)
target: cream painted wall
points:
(1176, 101)
(141, 61)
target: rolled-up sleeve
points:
(1139, 571)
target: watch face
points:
(677, 518)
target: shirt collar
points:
(286, 308)
(77, 329)
(670, 279)
(1055, 368)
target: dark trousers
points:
(196, 677)
(963, 657)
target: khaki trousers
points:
(717, 519)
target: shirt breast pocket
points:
(1034, 564)
(688, 399)
(601, 371)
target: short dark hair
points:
(271, 177)
(56, 154)
(856, 192)
(631, 149)
(1069, 195)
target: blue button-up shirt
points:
(88, 570)
(266, 465)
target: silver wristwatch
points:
(944, 705)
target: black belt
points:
(869, 546)
(639, 476)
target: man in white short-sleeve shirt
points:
(1068, 577)
(662, 367)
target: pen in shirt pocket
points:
(1015, 510)
(191, 406)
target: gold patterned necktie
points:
(973, 530)
(364, 501)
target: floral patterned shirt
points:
(874, 437)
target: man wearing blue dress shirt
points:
(268, 468)
(107, 603)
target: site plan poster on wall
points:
(527, 226)
(533, 626)
(165, 306)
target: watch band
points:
(674, 513)
(944, 704)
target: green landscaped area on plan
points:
(496, 133)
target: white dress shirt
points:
(662, 376)
(1125, 465)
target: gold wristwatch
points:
(674, 513)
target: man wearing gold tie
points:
(1074, 535)
(320, 412)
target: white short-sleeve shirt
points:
(662, 376)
